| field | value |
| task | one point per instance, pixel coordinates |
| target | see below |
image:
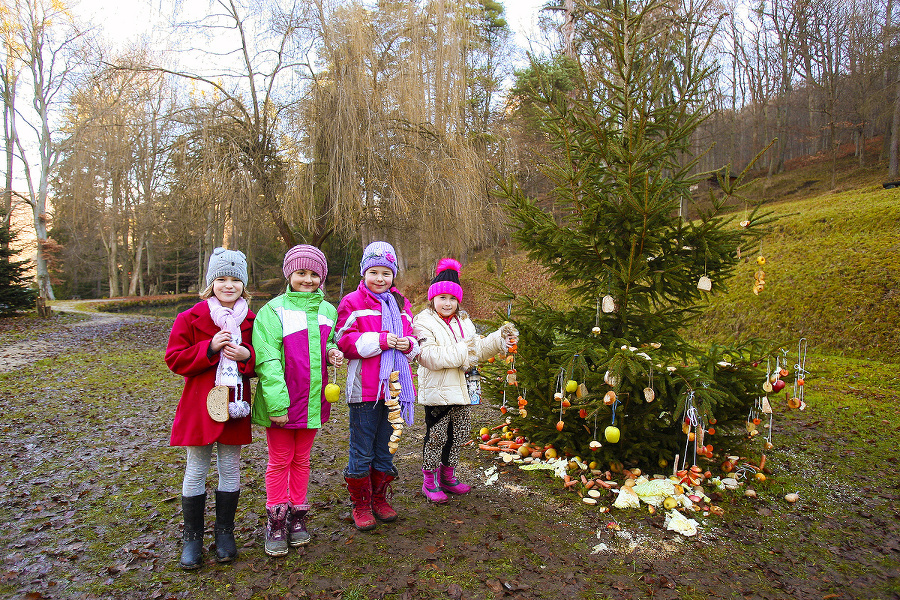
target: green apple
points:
(611, 434)
(332, 392)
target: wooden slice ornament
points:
(217, 403)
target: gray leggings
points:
(228, 463)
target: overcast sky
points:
(123, 20)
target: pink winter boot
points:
(431, 487)
(450, 484)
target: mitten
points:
(508, 331)
(472, 355)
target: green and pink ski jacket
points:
(292, 335)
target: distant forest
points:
(260, 125)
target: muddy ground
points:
(90, 508)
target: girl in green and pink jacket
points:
(293, 336)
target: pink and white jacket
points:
(362, 340)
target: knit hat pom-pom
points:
(448, 263)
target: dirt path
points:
(61, 339)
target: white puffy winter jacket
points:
(444, 356)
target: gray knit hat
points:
(227, 263)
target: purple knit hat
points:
(446, 279)
(378, 254)
(304, 256)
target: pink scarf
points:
(227, 374)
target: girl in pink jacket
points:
(374, 331)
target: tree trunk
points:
(893, 166)
(136, 266)
(112, 265)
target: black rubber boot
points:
(193, 508)
(226, 506)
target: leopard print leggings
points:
(446, 429)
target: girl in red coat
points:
(210, 346)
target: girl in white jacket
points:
(448, 347)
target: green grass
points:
(831, 275)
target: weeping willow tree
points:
(387, 128)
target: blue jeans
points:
(370, 432)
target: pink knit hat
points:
(304, 256)
(446, 279)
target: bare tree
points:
(47, 47)
(256, 77)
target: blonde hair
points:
(207, 292)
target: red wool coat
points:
(186, 355)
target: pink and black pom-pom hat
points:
(446, 279)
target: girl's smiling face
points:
(304, 280)
(445, 305)
(227, 290)
(379, 279)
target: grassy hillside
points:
(832, 270)
(832, 276)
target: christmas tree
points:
(615, 234)
(15, 291)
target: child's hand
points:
(279, 421)
(219, 340)
(402, 344)
(336, 357)
(391, 340)
(236, 352)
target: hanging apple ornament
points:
(571, 385)
(333, 390)
(611, 433)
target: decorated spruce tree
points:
(616, 233)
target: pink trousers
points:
(287, 474)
